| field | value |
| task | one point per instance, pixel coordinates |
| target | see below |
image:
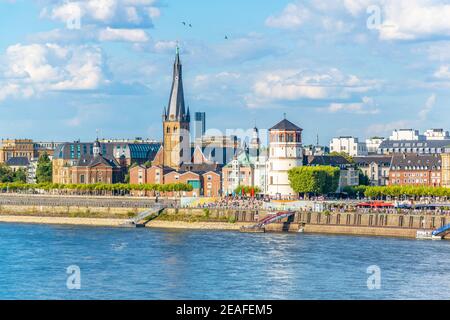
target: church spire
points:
(176, 109)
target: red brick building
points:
(204, 183)
(415, 170)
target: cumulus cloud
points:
(292, 85)
(429, 104)
(112, 13)
(384, 129)
(35, 68)
(443, 73)
(406, 19)
(398, 20)
(130, 35)
(100, 20)
(293, 16)
(366, 106)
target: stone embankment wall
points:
(374, 224)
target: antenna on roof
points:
(284, 115)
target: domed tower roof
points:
(96, 150)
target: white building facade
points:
(285, 153)
(436, 134)
(406, 134)
(350, 145)
(373, 144)
(258, 157)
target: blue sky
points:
(344, 67)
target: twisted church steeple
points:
(176, 110)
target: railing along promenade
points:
(83, 201)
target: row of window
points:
(412, 150)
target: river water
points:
(174, 264)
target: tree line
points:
(96, 188)
(379, 192)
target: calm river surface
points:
(170, 264)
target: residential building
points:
(349, 145)
(445, 167)
(391, 147)
(238, 172)
(376, 168)
(18, 163)
(436, 134)
(258, 157)
(406, 134)
(285, 153)
(16, 148)
(68, 154)
(137, 140)
(416, 170)
(31, 171)
(204, 183)
(41, 147)
(373, 144)
(315, 150)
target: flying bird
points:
(226, 37)
(184, 23)
(190, 25)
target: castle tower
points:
(176, 122)
(285, 153)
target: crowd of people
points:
(262, 203)
(236, 202)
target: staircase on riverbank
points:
(144, 217)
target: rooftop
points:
(286, 125)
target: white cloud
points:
(406, 19)
(100, 20)
(293, 16)
(366, 106)
(36, 68)
(429, 104)
(113, 13)
(383, 129)
(131, 35)
(443, 73)
(292, 85)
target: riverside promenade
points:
(113, 211)
(82, 201)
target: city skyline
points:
(317, 62)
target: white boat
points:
(426, 235)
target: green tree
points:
(44, 169)
(6, 174)
(315, 180)
(247, 190)
(363, 179)
(20, 176)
